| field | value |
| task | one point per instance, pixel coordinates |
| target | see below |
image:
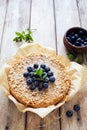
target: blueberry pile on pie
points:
(38, 77)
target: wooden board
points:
(70, 17)
(50, 18)
(17, 18)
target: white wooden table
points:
(50, 18)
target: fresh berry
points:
(47, 80)
(68, 38)
(31, 74)
(47, 69)
(43, 66)
(50, 74)
(85, 43)
(52, 79)
(36, 66)
(81, 32)
(76, 36)
(45, 85)
(26, 74)
(78, 40)
(32, 87)
(33, 79)
(69, 113)
(30, 69)
(40, 88)
(73, 38)
(29, 81)
(77, 44)
(36, 83)
(76, 107)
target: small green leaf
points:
(40, 72)
(44, 76)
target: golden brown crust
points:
(51, 96)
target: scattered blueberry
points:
(36, 66)
(30, 69)
(76, 107)
(43, 66)
(52, 79)
(29, 81)
(69, 113)
(26, 74)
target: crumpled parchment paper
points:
(78, 74)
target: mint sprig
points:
(39, 72)
(76, 57)
(24, 35)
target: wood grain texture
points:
(17, 19)
(66, 17)
(42, 19)
(70, 17)
(3, 98)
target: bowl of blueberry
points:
(75, 39)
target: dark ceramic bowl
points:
(75, 39)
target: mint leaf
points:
(24, 35)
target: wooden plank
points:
(3, 9)
(3, 99)
(42, 19)
(17, 18)
(66, 17)
(82, 8)
(69, 17)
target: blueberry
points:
(86, 39)
(36, 66)
(29, 81)
(50, 74)
(81, 32)
(32, 87)
(40, 88)
(26, 74)
(77, 44)
(76, 107)
(78, 40)
(47, 80)
(43, 66)
(73, 38)
(47, 69)
(52, 79)
(31, 74)
(68, 38)
(30, 69)
(69, 113)
(33, 79)
(45, 85)
(82, 40)
(72, 33)
(85, 43)
(76, 36)
(36, 83)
